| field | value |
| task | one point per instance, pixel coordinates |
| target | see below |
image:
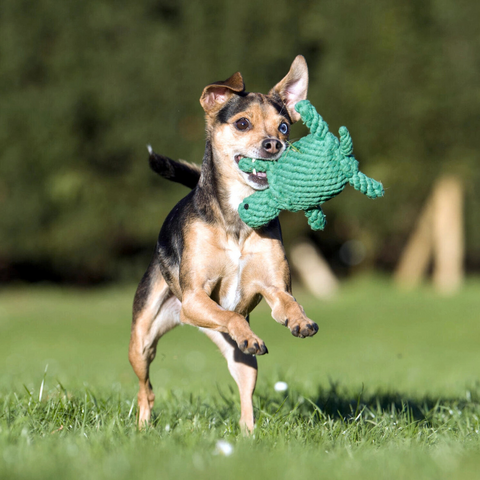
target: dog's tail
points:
(179, 171)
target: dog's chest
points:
(231, 291)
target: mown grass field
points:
(389, 388)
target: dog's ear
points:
(217, 93)
(293, 87)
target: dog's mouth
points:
(259, 179)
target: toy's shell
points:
(308, 174)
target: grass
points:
(389, 388)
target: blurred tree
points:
(86, 84)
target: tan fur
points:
(161, 314)
(226, 267)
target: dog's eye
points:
(242, 124)
(283, 128)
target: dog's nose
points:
(272, 145)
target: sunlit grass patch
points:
(388, 389)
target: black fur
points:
(277, 102)
(170, 240)
(144, 287)
(207, 190)
(196, 205)
(238, 103)
(180, 172)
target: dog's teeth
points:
(254, 172)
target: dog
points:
(210, 269)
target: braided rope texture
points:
(315, 169)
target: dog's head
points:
(242, 124)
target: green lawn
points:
(389, 388)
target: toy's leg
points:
(258, 209)
(316, 218)
(368, 186)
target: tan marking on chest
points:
(230, 269)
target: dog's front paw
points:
(253, 346)
(302, 328)
(239, 330)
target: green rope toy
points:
(314, 170)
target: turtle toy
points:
(311, 171)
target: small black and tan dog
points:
(210, 269)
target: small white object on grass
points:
(281, 387)
(224, 448)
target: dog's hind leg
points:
(155, 312)
(243, 368)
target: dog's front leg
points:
(199, 310)
(287, 311)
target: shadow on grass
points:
(345, 405)
(336, 402)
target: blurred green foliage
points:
(86, 84)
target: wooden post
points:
(438, 236)
(448, 235)
(416, 257)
